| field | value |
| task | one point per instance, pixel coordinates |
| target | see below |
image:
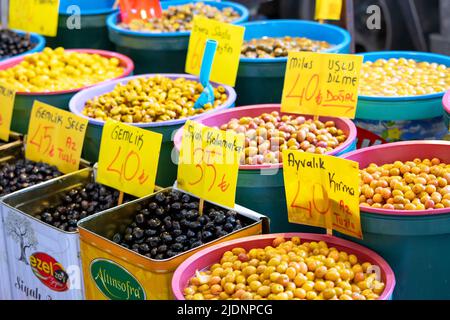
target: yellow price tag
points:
(209, 163)
(39, 16)
(321, 84)
(55, 136)
(7, 97)
(128, 159)
(322, 191)
(328, 9)
(229, 39)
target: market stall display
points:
(410, 240)
(16, 43)
(266, 75)
(82, 24)
(150, 271)
(260, 185)
(167, 169)
(345, 273)
(64, 90)
(164, 51)
(405, 111)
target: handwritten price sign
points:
(55, 136)
(226, 61)
(209, 163)
(39, 16)
(321, 84)
(128, 159)
(322, 191)
(7, 97)
(328, 9)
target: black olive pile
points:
(170, 224)
(77, 204)
(12, 43)
(23, 174)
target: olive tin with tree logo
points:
(112, 271)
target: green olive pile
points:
(267, 47)
(57, 70)
(24, 173)
(269, 134)
(152, 99)
(12, 43)
(403, 77)
(286, 270)
(179, 18)
(169, 224)
(411, 185)
(77, 204)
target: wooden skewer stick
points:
(321, 21)
(120, 201)
(116, 4)
(200, 207)
(329, 231)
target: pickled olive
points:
(267, 47)
(12, 43)
(180, 17)
(413, 185)
(169, 227)
(309, 280)
(23, 173)
(269, 134)
(57, 70)
(160, 99)
(79, 203)
(403, 77)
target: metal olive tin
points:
(114, 272)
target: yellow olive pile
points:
(269, 134)
(411, 185)
(179, 18)
(58, 70)
(266, 47)
(403, 77)
(152, 99)
(287, 270)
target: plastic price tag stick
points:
(139, 9)
(207, 96)
(7, 97)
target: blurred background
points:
(422, 25)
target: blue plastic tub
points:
(403, 118)
(261, 187)
(93, 33)
(34, 38)
(167, 169)
(160, 52)
(260, 80)
(414, 243)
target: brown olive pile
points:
(170, 224)
(269, 134)
(411, 185)
(267, 47)
(287, 270)
(179, 18)
(152, 99)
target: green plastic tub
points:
(416, 244)
(160, 52)
(60, 99)
(403, 118)
(93, 32)
(261, 187)
(265, 76)
(167, 169)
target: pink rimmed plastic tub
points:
(167, 169)
(60, 99)
(415, 243)
(446, 103)
(261, 187)
(207, 257)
